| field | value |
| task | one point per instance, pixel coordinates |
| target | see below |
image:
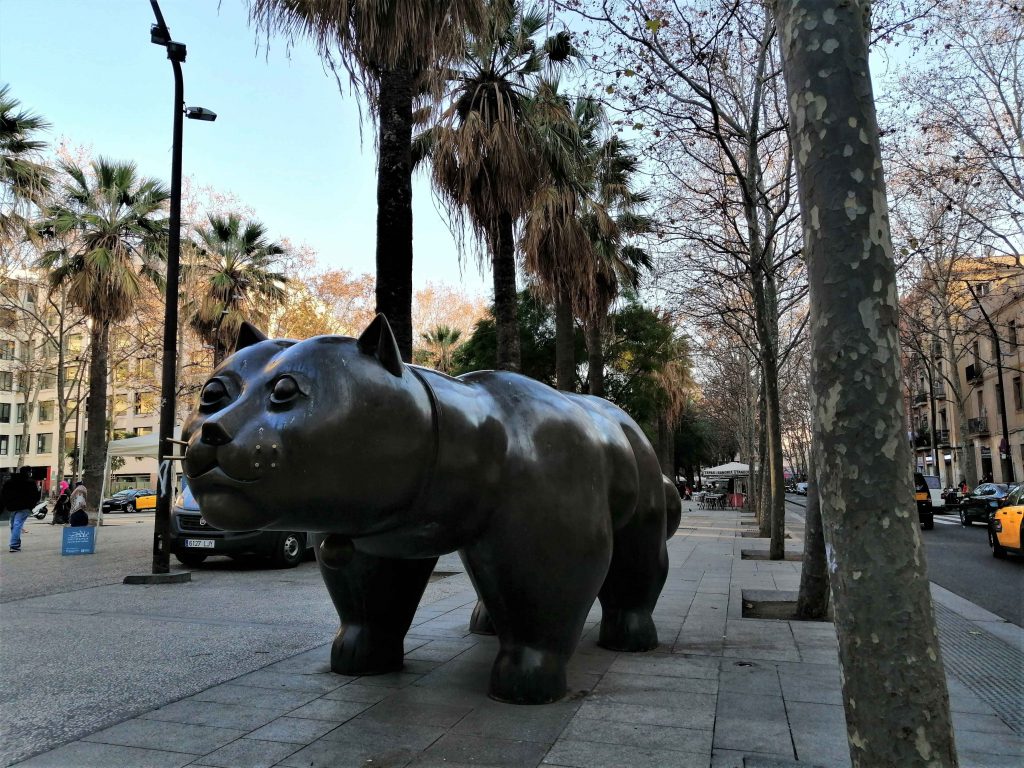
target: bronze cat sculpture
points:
(551, 499)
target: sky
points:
(286, 141)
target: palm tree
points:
(490, 145)
(113, 221)
(232, 265)
(384, 47)
(442, 342)
(22, 178)
(576, 238)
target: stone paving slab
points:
(719, 692)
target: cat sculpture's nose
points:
(214, 434)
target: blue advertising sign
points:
(79, 541)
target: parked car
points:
(922, 495)
(192, 539)
(980, 503)
(801, 488)
(130, 500)
(1006, 524)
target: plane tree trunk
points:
(894, 688)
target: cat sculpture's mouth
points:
(215, 475)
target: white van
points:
(935, 491)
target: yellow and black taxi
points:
(1004, 526)
(922, 494)
(130, 500)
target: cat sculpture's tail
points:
(673, 506)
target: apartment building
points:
(30, 432)
(954, 396)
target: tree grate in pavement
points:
(990, 668)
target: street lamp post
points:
(176, 52)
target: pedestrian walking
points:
(19, 495)
(79, 516)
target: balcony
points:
(921, 398)
(924, 439)
(939, 390)
(978, 426)
(975, 371)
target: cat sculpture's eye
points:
(213, 394)
(285, 390)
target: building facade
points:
(957, 400)
(30, 430)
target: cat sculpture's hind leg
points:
(538, 572)
(376, 599)
(634, 581)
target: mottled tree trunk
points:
(595, 359)
(565, 347)
(894, 688)
(812, 600)
(96, 414)
(394, 206)
(764, 496)
(503, 265)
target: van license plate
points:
(199, 543)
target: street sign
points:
(80, 540)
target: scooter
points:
(39, 510)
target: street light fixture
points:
(200, 113)
(159, 34)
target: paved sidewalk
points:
(720, 691)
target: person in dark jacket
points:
(62, 509)
(19, 495)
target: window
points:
(6, 381)
(44, 442)
(976, 352)
(69, 442)
(120, 405)
(21, 413)
(30, 294)
(139, 431)
(5, 413)
(982, 289)
(1011, 333)
(121, 373)
(981, 405)
(49, 349)
(74, 344)
(17, 445)
(26, 351)
(48, 380)
(1018, 394)
(4, 442)
(6, 350)
(46, 409)
(143, 403)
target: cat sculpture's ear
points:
(379, 341)
(248, 335)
